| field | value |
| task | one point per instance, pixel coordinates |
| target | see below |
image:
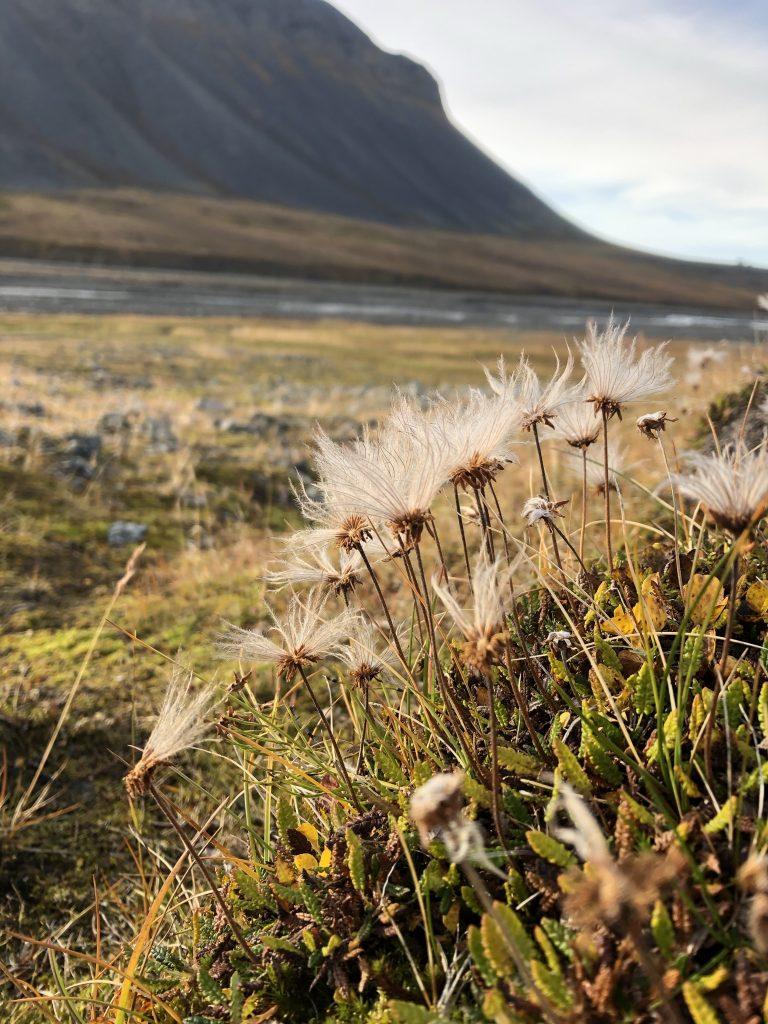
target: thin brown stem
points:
(364, 730)
(547, 494)
(207, 873)
(607, 492)
(382, 601)
(523, 706)
(583, 503)
(432, 531)
(460, 519)
(327, 725)
(675, 514)
(494, 752)
(720, 674)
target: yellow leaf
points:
(620, 624)
(311, 833)
(306, 862)
(284, 871)
(711, 604)
(325, 859)
(757, 599)
(652, 608)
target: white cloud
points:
(644, 120)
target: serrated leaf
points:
(518, 761)
(723, 818)
(762, 710)
(411, 1013)
(550, 849)
(640, 686)
(278, 943)
(552, 984)
(478, 955)
(698, 1007)
(495, 948)
(514, 930)
(662, 929)
(286, 818)
(355, 860)
(570, 767)
(210, 988)
(496, 1008)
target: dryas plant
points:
(479, 783)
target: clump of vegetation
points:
(498, 775)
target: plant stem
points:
(177, 827)
(547, 494)
(522, 705)
(720, 674)
(607, 492)
(583, 503)
(339, 759)
(494, 751)
(460, 519)
(675, 514)
(383, 602)
(364, 730)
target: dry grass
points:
(166, 230)
(202, 564)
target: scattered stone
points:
(213, 405)
(193, 499)
(122, 532)
(84, 446)
(158, 430)
(114, 423)
(36, 409)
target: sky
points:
(645, 121)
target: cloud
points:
(644, 121)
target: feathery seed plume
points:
(483, 626)
(732, 485)
(616, 374)
(180, 724)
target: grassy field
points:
(162, 230)
(189, 430)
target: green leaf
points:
(479, 958)
(278, 943)
(514, 930)
(762, 709)
(411, 1013)
(495, 948)
(723, 818)
(698, 1007)
(210, 988)
(286, 817)
(662, 929)
(640, 685)
(518, 762)
(355, 860)
(552, 984)
(550, 849)
(570, 767)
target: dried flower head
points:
(337, 574)
(334, 520)
(294, 643)
(477, 434)
(561, 640)
(541, 510)
(532, 401)
(180, 724)
(365, 655)
(578, 424)
(392, 477)
(483, 626)
(732, 485)
(606, 892)
(653, 423)
(616, 374)
(762, 301)
(437, 805)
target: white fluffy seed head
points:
(296, 641)
(615, 374)
(577, 423)
(180, 724)
(732, 485)
(533, 402)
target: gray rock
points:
(122, 532)
(114, 423)
(83, 446)
(158, 430)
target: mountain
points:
(282, 101)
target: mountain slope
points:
(282, 101)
